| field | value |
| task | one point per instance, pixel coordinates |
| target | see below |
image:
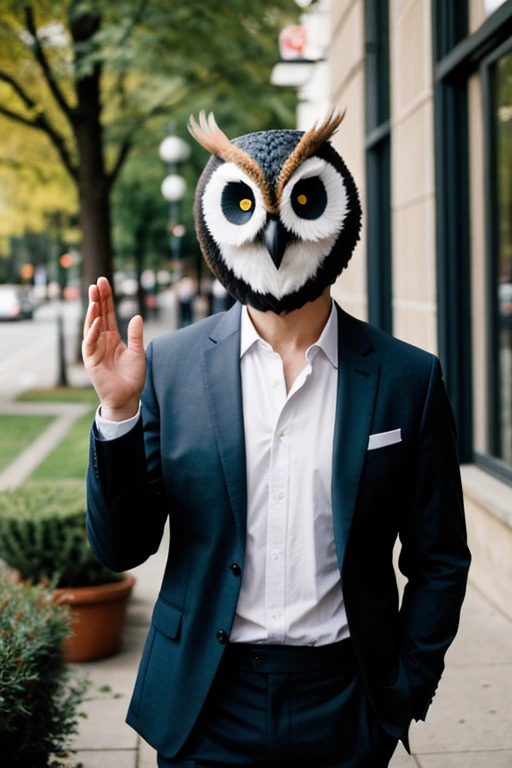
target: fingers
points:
(90, 341)
(135, 334)
(108, 315)
(93, 310)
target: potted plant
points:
(38, 699)
(43, 536)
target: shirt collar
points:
(328, 341)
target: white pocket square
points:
(384, 438)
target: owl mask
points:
(277, 213)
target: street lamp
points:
(173, 151)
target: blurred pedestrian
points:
(222, 300)
(186, 290)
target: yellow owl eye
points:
(246, 204)
(302, 199)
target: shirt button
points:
(222, 636)
(283, 432)
(275, 555)
(235, 569)
(275, 383)
(279, 496)
(276, 615)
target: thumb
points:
(135, 334)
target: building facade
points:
(427, 85)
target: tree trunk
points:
(94, 185)
(95, 224)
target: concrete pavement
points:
(469, 723)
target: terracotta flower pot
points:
(98, 615)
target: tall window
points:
(497, 79)
(474, 226)
(503, 284)
(378, 163)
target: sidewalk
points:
(469, 723)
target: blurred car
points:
(15, 303)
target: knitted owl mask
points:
(277, 213)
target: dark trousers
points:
(273, 706)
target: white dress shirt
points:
(290, 591)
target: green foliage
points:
(38, 703)
(42, 534)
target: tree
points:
(92, 75)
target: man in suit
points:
(289, 444)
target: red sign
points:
(292, 42)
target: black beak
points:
(276, 239)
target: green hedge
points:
(37, 702)
(43, 536)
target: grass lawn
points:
(16, 434)
(69, 459)
(60, 395)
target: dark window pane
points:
(504, 266)
(377, 62)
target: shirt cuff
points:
(110, 430)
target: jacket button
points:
(222, 636)
(235, 569)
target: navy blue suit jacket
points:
(185, 460)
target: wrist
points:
(119, 413)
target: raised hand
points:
(117, 371)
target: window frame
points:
(378, 164)
(450, 25)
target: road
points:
(29, 348)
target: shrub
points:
(37, 702)
(43, 536)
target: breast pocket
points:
(393, 451)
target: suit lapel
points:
(358, 379)
(222, 378)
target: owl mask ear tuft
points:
(307, 146)
(208, 134)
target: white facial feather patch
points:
(222, 230)
(252, 264)
(330, 222)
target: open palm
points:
(117, 371)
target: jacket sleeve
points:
(434, 557)
(126, 506)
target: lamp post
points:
(65, 262)
(173, 151)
